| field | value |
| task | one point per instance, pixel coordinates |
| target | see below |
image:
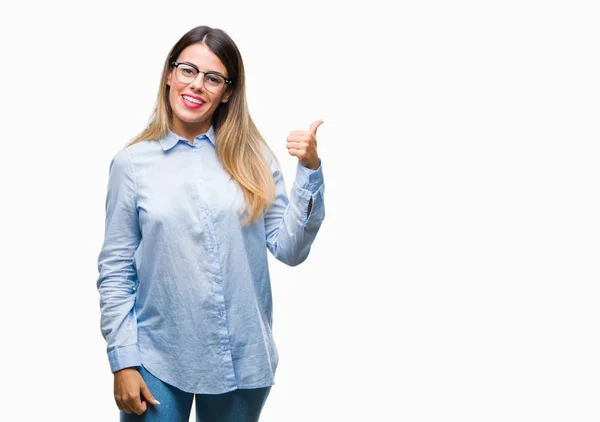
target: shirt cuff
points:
(309, 179)
(124, 357)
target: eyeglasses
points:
(213, 82)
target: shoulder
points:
(120, 159)
(142, 147)
(138, 153)
(125, 156)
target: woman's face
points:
(189, 117)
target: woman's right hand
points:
(131, 390)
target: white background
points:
(455, 277)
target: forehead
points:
(203, 57)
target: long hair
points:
(240, 147)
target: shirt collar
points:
(172, 138)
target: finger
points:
(299, 138)
(126, 407)
(296, 144)
(296, 147)
(140, 407)
(299, 132)
(148, 395)
(295, 152)
(136, 404)
(314, 126)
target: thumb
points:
(148, 395)
(314, 126)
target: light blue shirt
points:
(184, 288)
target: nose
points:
(198, 83)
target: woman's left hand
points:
(303, 144)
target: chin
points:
(189, 119)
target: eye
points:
(214, 79)
(188, 71)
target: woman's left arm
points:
(291, 225)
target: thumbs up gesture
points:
(303, 144)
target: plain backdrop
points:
(455, 277)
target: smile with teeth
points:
(192, 100)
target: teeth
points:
(192, 100)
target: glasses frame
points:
(176, 64)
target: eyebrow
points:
(208, 71)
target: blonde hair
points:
(240, 147)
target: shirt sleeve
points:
(290, 230)
(117, 275)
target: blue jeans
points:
(241, 405)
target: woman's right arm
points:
(117, 274)
(117, 287)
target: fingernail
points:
(156, 401)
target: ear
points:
(169, 77)
(226, 96)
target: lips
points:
(194, 97)
(192, 101)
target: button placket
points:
(215, 273)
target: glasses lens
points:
(213, 82)
(186, 74)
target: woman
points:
(184, 285)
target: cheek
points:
(172, 97)
(174, 94)
(175, 85)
